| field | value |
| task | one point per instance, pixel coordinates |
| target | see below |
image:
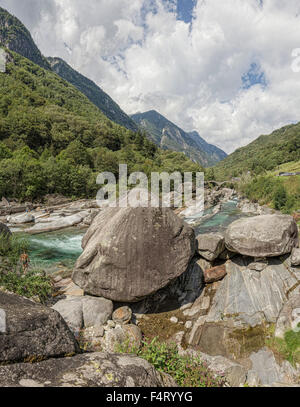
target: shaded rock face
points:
(245, 303)
(210, 245)
(262, 236)
(31, 331)
(130, 253)
(87, 370)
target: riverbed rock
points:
(20, 219)
(210, 245)
(269, 371)
(58, 223)
(130, 253)
(32, 331)
(244, 304)
(84, 312)
(295, 257)
(262, 236)
(86, 370)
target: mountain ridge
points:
(168, 135)
(17, 38)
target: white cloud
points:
(145, 58)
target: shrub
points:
(33, 283)
(187, 371)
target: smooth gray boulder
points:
(210, 245)
(130, 253)
(86, 370)
(295, 257)
(262, 236)
(32, 331)
(84, 312)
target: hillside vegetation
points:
(264, 154)
(54, 140)
(95, 94)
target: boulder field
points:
(233, 291)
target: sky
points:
(222, 68)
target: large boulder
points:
(31, 331)
(211, 245)
(262, 236)
(86, 370)
(130, 253)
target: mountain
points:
(264, 154)
(168, 136)
(15, 36)
(95, 94)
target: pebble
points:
(174, 320)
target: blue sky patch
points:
(185, 10)
(254, 76)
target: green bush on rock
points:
(187, 371)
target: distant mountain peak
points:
(15, 36)
(168, 135)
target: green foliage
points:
(264, 154)
(287, 348)
(54, 140)
(188, 371)
(281, 194)
(33, 283)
